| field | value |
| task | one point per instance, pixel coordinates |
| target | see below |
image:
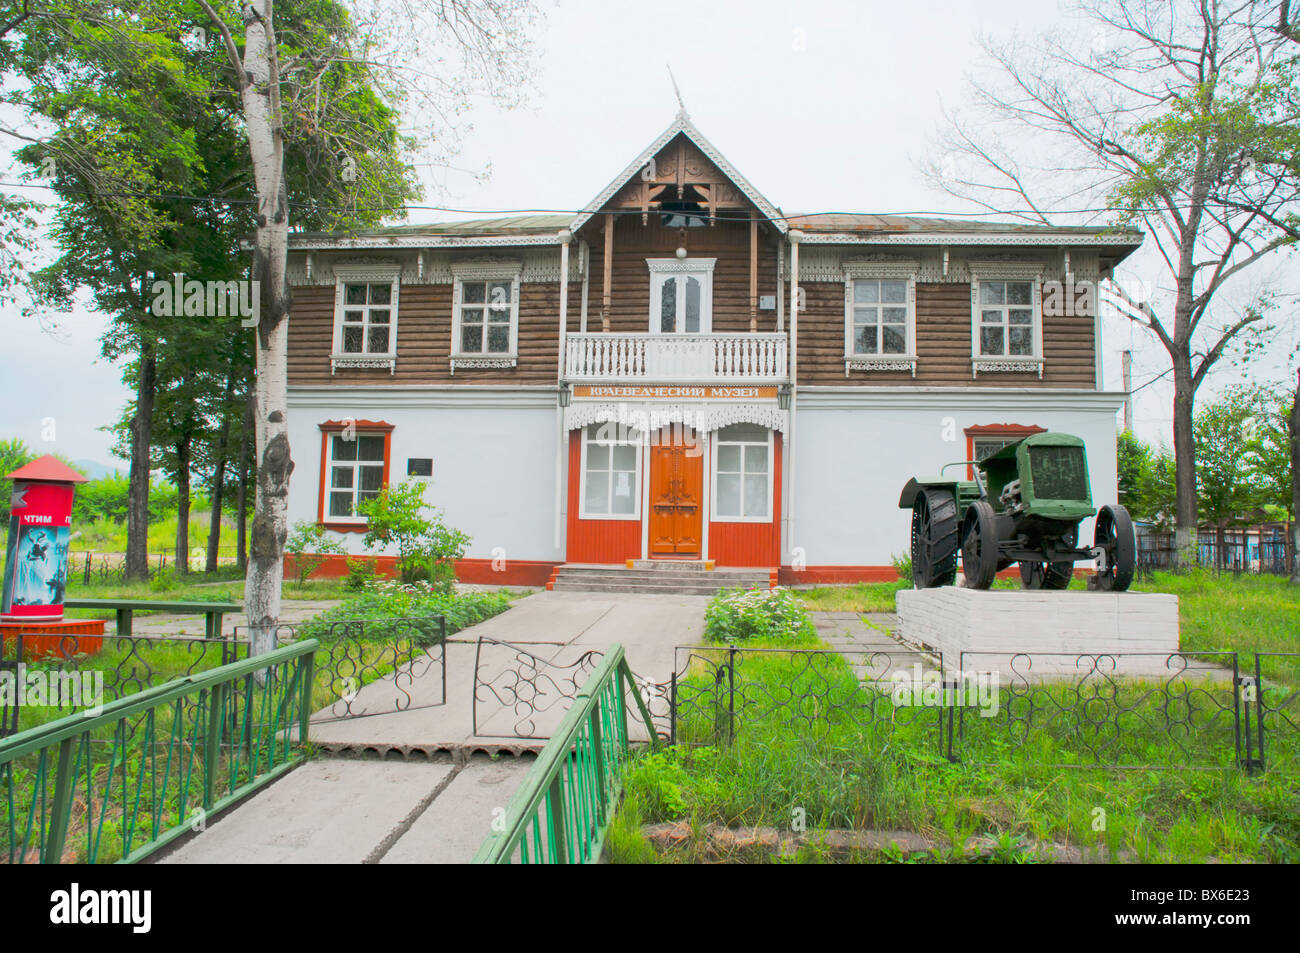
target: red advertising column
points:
(36, 560)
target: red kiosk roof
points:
(47, 469)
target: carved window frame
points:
(484, 271)
(894, 270)
(368, 274)
(1031, 272)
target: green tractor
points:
(1024, 506)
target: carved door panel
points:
(676, 494)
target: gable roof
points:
(682, 125)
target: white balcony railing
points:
(693, 358)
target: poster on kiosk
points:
(40, 524)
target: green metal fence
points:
(119, 784)
(561, 812)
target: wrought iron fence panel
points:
(101, 669)
(1277, 714)
(1113, 710)
(532, 690)
(717, 691)
(394, 655)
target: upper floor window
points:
(1006, 322)
(485, 316)
(681, 295)
(1006, 319)
(879, 316)
(365, 316)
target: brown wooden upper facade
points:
(681, 272)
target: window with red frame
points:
(355, 459)
(985, 439)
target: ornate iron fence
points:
(715, 691)
(1205, 710)
(400, 654)
(373, 666)
(1116, 710)
(118, 665)
(529, 689)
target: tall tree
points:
(1156, 123)
(296, 67)
(1229, 490)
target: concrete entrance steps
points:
(666, 576)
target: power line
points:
(214, 200)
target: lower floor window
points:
(355, 472)
(742, 479)
(610, 465)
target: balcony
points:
(676, 358)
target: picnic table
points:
(213, 612)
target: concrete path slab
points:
(460, 818)
(327, 811)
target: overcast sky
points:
(822, 106)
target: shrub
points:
(902, 563)
(425, 544)
(310, 544)
(389, 599)
(767, 615)
(361, 573)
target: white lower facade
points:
(500, 460)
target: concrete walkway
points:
(439, 807)
(334, 811)
(523, 696)
(439, 810)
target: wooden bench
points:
(213, 612)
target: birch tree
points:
(427, 58)
(1156, 113)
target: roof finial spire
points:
(681, 111)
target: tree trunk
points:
(219, 477)
(137, 506)
(183, 503)
(241, 499)
(1294, 428)
(1185, 534)
(270, 258)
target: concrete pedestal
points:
(985, 630)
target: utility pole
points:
(1128, 391)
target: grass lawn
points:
(847, 760)
(820, 748)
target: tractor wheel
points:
(979, 545)
(934, 539)
(1114, 534)
(1045, 575)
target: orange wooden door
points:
(676, 494)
